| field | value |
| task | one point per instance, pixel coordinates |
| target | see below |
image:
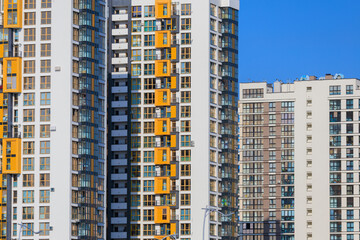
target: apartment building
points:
(299, 158)
(52, 107)
(172, 119)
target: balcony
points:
(120, 32)
(121, 118)
(123, 89)
(120, 46)
(118, 176)
(119, 147)
(118, 191)
(119, 133)
(120, 17)
(118, 235)
(119, 104)
(116, 206)
(119, 162)
(120, 60)
(118, 220)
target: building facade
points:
(173, 119)
(298, 157)
(53, 115)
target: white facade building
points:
(299, 157)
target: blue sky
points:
(285, 39)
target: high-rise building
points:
(52, 108)
(299, 158)
(173, 119)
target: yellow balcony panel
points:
(12, 75)
(162, 215)
(11, 157)
(162, 68)
(173, 229)
(162, 156)
(162, 9)
(162, 126)
(162, 97)
(173, 141)
(174, 83)
(173, 170)
(162, 185)
(13, 13)
(174, 53)
(162, 39)
(3, 194)
(174, 112)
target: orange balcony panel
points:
(173, 53)
(13, 13)
(173, 141)
(162, 215)
(162, 156)
(162, 97)
(162, 8)
(173, 170)
(12, 75)
(162, 39)
(162, 126)
(162, 68)
(173, 83)
(173, 112)
(11, 157)
(162, 185)
(173, 229)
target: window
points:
(136, 55)
(349, 89)
(185, 9)
(148, 156)
(46, 34)
(150, 26)
(149, 200)
(45, 3)
(186, 24)
(45, 98)
(28, 164)
(45, 82)
(44, 212)
(335, 90)
(136, 69)
(185, 184)
(148, 186)
(148, 215)
(149, 40)
(29, 83)
(30, 18)
(136, 26)
(29, 66)
(28, 131)
(45, 114)
(149, 69)
(46, 50)
(149, 55)
(185, 155)
(186, 170)
(149, 127)
(185, 53)
(45, 17)
(185, 38)
(149, 112)
(185, 126)
(28, 196)
(149, 98)
(44, 163)
(29, 34)
(136, 11)
(185, 82)
(186, 67)
(29, 99)
(186, 111)
(185, 214)
(149, 142)
(185, 199)
(149, 83)
(28, 180)
(29, 115)
(44, 229)
(44, 131)
(185, 140)
(136, 41)
(29, 50)
(185, 229)
(136, 84)
(45, 180)
(135, 98)
(45, 66)
(185, 97)
(44, 196)
(149, 11)
(30, 4)
(45, 147)
(28, 213)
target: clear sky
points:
(285, 39)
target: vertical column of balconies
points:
(119, 96)
(166, 122)
(11, 85)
